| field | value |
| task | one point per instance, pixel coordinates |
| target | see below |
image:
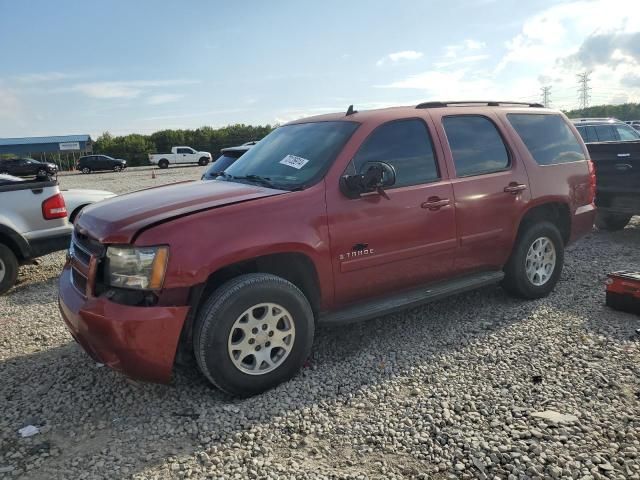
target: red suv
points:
(332, 219)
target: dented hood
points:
(119, 219)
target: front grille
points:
(85, 254)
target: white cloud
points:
(396, 57)
(46, 77)
(124, 89)
(452, 51)
(163, 98)
(461, 60)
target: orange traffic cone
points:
(153, 174)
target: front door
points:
(382, 245)
(490, 189)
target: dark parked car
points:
(224, 161)
(94, 163)
(614, 148)
(28, 167)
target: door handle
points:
(623, 155)
(436, 203)
(515, 188)
(622, 166)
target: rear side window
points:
(547, 137)
(406, 145)
(627, 133)
(476, 145)
(605, 133)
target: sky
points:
(124, 66)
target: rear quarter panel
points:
(21, 210)
(202, 243)
(566, 183)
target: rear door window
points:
(547, 137)
(605, 133)
(627, 133)
(476, 145)
(404, 144)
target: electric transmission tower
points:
(584, 89)
(546, 95)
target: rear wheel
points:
(86, 170)
(8, 268)
(203, 161)
(253, 333)
(536, 261)
(164, 163)
(611, 221)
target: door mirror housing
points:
(373, 177)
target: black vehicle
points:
(95, 163)
(614, 148)
(226, 158)
(28, 167)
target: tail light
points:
(54, 207)
(592, 180)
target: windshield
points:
(293, 156)
(219, 166)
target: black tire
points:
(42, 173)
(611, 221)
(516, 281)
(164, 163)
(218, 315)
(203, 161)
(117, 168)
(86, 170)
(8, 269)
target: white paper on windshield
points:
(294, 161)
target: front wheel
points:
(117, 168)
(253, 333)
(536, 261)
(611, 221)
(203, 161)
(8, 268)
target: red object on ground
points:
(623, 291)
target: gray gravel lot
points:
(454, 389)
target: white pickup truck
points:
(179, 155)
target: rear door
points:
(490, 188)
(382, 245)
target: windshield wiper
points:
(265, 181)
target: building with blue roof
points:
(64, 150)
(32, 146)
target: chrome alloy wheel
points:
(541, 261)
(261, 338)
(3, 270)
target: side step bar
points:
(409, 299)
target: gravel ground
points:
(481, 386)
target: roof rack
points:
(462, 103)
(596, 119)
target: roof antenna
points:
(350, 111)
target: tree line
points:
(625, 111)
(135, 148)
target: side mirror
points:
(373, 177)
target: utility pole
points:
(584, 89)
(546, 95)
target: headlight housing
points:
(139, 268)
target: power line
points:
(546, 95)
(584, 89)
